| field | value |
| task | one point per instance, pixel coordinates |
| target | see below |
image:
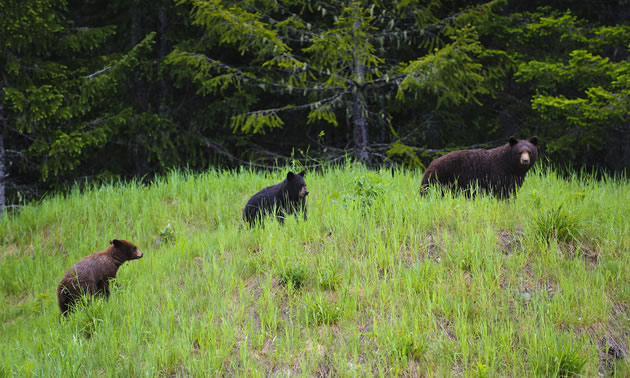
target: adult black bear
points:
(500, 171)
(281, 199)
(91, 275)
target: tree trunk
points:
(135, 23)
(138, 152)
(2, 161)
(360, 134)
(359, 111)
(162, 54)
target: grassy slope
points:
(412, 285)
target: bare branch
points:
(98, 72)
(328, 101)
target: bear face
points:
(296, 186)
(124, 250)
(523, 153)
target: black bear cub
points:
(499, 171)
(281, 199)
(91, 275)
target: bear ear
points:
(290, 175)
(302, 173)
(512, 141)
(534, 141)
(116, 243)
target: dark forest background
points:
(91, 90)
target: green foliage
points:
(406, 154)
(480, 370)
(580, 93)
(166, 234)
(61, 112)
(562, 360)
(293, 276)
(338, 57)
(451, 73)
(329, 275)
(367, 189)
(558, 223)
(403, 345)
(321, 310)
(399, 303)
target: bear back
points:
(279, 200)
(91, 274)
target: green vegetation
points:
(443, 285)
(191, 84)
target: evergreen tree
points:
(330, 59)
(577, 76)
(59, 93)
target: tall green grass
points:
(378, 281)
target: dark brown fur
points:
(91, 275)
(287, 197)
(500, 171)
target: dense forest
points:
(91, 90)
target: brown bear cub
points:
(281, 199)
(499, 171)
(91, 275)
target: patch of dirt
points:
(9, 250)
(432, 245)
(198, 262)
(324, 368)
(227, 257)
(509, 242)
(252, 286)
(591, 255)
(548, 285)
(266, 351)
(613, 345)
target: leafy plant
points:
(558, 223)
(321, 310)
(166, 234)
(328, 276)
(367, 189)
(402, 344)
(480, 370)
(293, 276)
(562, 360)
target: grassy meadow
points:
(377, 281)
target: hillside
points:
(378, 281)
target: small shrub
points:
(480, 370)
(367, 189)
(558, 223)
(422, 276)
(293, 276)
(404, 345)
(562, 360)
(166, 234)
(328, 276)
(320, 310)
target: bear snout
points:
(139, 254)
(525, 158)
(303, 192)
